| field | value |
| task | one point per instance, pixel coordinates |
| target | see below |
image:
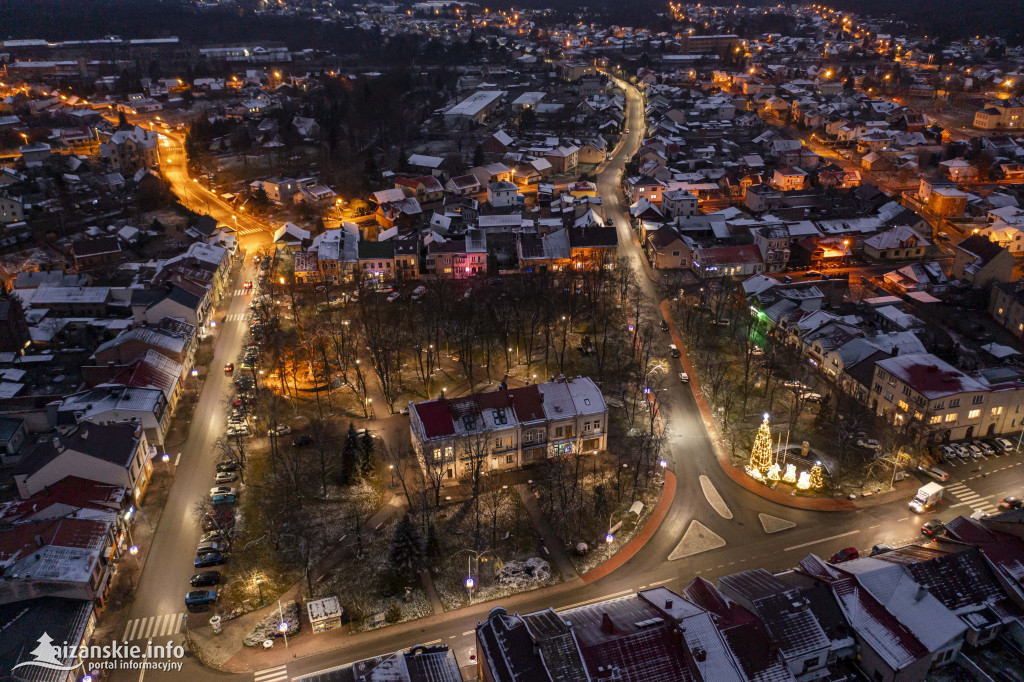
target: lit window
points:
(997, 411)
(951, 417)
(936, 419)
(974, 414)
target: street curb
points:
(739, 477)
(668, 494)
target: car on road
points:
(869, 444)
(684, 378)
(279, 430)
(229, 367)
(1003, 444)
(248, 285)
(200, 597)
(210, 559)
(812, 273)
(933, 528)
(221, 500)
(793, 384)
(938, 474)
(848, 554)
(1008, 503)
(394, 296)
(223, 490)
(227, 465)
(302, 441)
(673, 351)
(226, 477)
(810, 396)
(205, 579)
(881, 548)
(664, 326)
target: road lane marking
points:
(177, 459)
(662, 582)
(276, 674)
(468, 632)
(596, 599)
(814, 542)
(433, 641)
(714, 498)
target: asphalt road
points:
(736, 523)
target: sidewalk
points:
(556, 551)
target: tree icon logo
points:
(46, 656)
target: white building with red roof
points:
(508, 428)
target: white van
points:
(418, 293)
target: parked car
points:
(223, 490)
(684, 377)
(812, 273)
(205, 579)
(420, 291)
(933, 528)
(793, 384)
(869, 444)
(238, 430)
(986, 448)
(394, 296)
(1008, 503)
(229, 367)
(279, 430)
(811, 397)
(973, 450)
(226, 477)
(207, 547)
(938, 474)
(881, 548)
(221, 500)
(213, 536)
(847, 554)
(200, 597)
(961, 452)
(210, 559)
(213, 521)
(673, 351)
(227, 465)
(302, 441)
(945, 452)
(1004, 444)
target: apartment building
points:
(509, 428)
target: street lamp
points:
(134, 551)
(166, 459)
(259, 586)
(283, 629)
(391, 468)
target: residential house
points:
(181, 301)
(727, 261)
(761, 198)
(980, 261)
(463, 185)
(14, 333)
(773, 241)
(563, 159)
(947, 202)
(788, 178)
(143, 406)
(96, 252)
(678, 202)
(117, 454)
(11, 209)
(376, 260)
(898, 243)
(502, 194)
(666, 250)
(12, 440)
(459, 258)
(1007, 113)
(129, 150)
(426, 188)
(958, 170)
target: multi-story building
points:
(509, 428)
(1005, 114)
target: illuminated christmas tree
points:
(761, 455)
(815, 478)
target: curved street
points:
(743, 541)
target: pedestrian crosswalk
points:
(242, 292)
(278, 673)
(154, 626)
(236, 317)
(972, 499)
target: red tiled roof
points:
(436, 419)
(731, 255)
(72, 491)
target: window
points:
(528, 437)
(888, 396)
(558, 432)
(941, 405)
(903, 406)
(974, 414)
(586, 427)
(597, 425)
(509, 459)
(951, 417)
(881, 373)
(878, 388)
(568, 432)
(937, 419)
(996, 411)
(906, 390)
(497, 442)
(977, 400)
(955, 402)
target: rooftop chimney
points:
(668, 604)
(57, 444)
(607, 626)
(700, 654)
